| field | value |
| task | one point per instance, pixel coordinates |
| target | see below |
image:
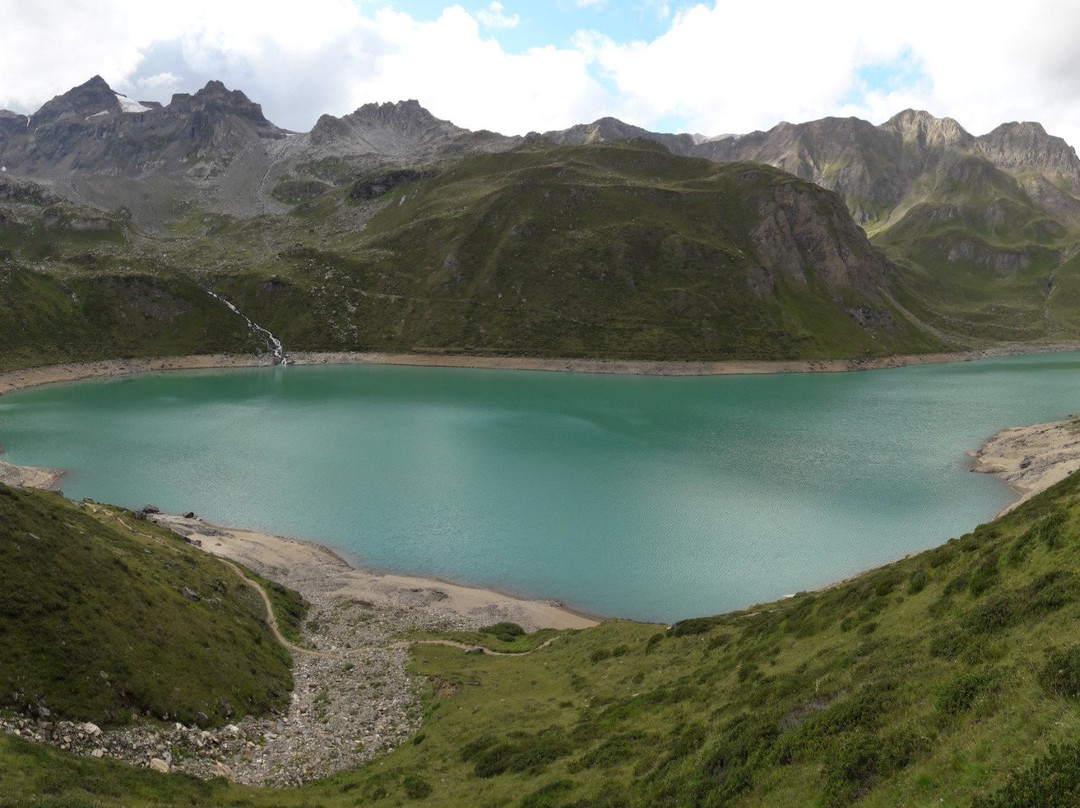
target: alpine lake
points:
(641, 497)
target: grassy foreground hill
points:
(949, 677)
(108, 620)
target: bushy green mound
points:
(103, 617)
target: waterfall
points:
(280, 357)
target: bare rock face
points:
(215, 98)
(89, 99)
(923, 132)
(805, 232)
(404, 132)
(1027, 146)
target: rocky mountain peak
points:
(920, 128)
(91, 98)
(387, 128)
(608, 129)
(11, 123)
(1027, 144)
(215, 97)
(399, 115)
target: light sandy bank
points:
(1031, 458)
(316, 571)
(29, 476)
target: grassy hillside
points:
(614, 251)
(77, 285)
(103, 618)
(948, 677)
(618, 250)
(984, 260)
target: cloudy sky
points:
(515, 66)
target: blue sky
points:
(711, 67)
(538, 24)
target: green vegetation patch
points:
(103, 618)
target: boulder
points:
(159, 765)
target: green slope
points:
(945, 677)
(619, 250)
(983, 260)
(103, 619)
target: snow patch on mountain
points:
(127, 105)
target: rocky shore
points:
(349, 704)
(1031, 458)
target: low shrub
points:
(1053, 781)
(695, 625)
(1060, 674)
(984, 576)
(523, 754)
(962, 693)
(918, 581)
(504, 632)
(416, 787)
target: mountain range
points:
(833, 238)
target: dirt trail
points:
(271, 618)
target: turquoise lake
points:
(649, 498)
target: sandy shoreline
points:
(318, 573)
(1031, 458)
(13, 380)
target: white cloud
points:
(721, 66)
(735, 67)
(493, 17)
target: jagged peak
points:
(1026, 128)
(1027, 143)
(90, 98)
(214, 91)
(217, 97)
(919, 126)
(394, 113)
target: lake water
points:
(650, 498)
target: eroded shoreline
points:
(1031, 458)
(13, 380)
